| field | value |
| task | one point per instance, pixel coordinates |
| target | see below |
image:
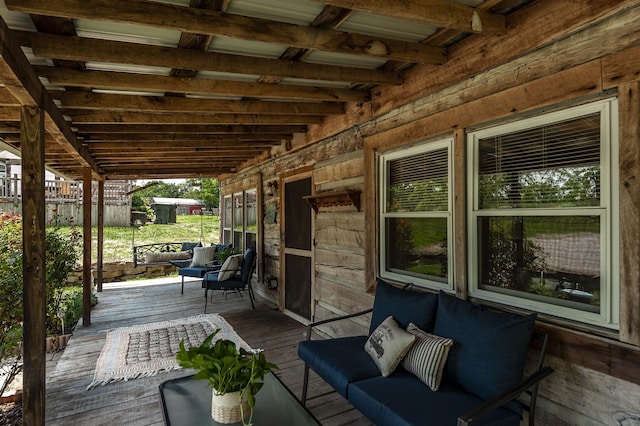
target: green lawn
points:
(118, 241)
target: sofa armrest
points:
(491, 404)
(330, 320)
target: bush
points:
(61, 256)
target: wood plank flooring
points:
(136, 402)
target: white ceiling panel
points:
(341, 59)
(387, 27)
(103, 66)
(127, 32)
(301, 12)
(246, 47)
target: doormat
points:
(148, 349)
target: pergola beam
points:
(202, 21)
(198, 86)
(21, 80)
(88, 49)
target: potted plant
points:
(235, 376)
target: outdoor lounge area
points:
(484, 150)
(136, 401)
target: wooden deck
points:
(136, 402)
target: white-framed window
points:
(238, 221)
(251, 218)
(416, 215)
(542, 203)
(227, 220)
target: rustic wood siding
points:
(587, 51)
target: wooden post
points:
(34, 294)
(100, 233)
(86, 258)
(629, 161)
(459, 214)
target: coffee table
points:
(187, 402)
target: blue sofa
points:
(481, 378)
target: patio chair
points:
(205, 259)
(234, 275)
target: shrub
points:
(61, 256)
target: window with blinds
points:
(416, 215)
(555, 165)
(540, 213)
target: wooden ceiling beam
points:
(99, 101)
(197, 86)
(87, 49)
(211, 129)
(128, 117)
(201, 21)
(23, 83)
(439, 13)
(180, 137)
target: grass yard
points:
(118, 241)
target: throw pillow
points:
(230, 267)
(427, 357)
(387, 345)
(202, 256)
(404, 306)
(490, 347)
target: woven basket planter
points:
(226, 408)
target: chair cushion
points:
(338, 361)
(427, 356)
(489, 349)
(202, 256)
(405, 306)
(402, 399)
(388, 344)
(230, 267)
(197, 272)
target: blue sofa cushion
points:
(405, 306)
(339, 361)
(402, 399)
(195, 271)
(489, 348)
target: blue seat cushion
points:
(402, 399)
(339, 361)
(196, 271)
(210, 281)
(489, 348)
(404, 306)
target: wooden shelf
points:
(332, 199)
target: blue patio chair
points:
(234, 275)
(186, 268)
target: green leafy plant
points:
(224, 253)
(227, 368)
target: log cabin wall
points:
(588, 51)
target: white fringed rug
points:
(148, 349)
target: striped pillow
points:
(427, 356)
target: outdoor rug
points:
(148, 349)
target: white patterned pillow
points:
(230, 267)
(202, 256)
(388, 344)
(427, 356)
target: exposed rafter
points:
(200, 21)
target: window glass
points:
(416, 213)
(541, 207)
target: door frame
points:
(292, 176)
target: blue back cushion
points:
(247, 264)
(404, 305)
(489, 348)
